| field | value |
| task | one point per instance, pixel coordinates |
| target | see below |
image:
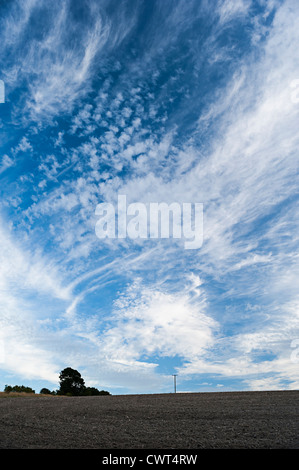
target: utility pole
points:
(174, 381)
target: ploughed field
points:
(163, 421)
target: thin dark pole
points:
(174, 381)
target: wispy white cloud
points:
(149, 322)
(238, 157)
(30, 285)
(21, 269)
(232, 10)
(6, 162)
(250, 171)
(58, 61)
(23, 146)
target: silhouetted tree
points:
(92, 391)
(71, 382)
(45, 391)
(18, 389)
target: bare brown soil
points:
(164, 421)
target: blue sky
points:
(161, 101)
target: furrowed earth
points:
(234, 420)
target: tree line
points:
(70, 384)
